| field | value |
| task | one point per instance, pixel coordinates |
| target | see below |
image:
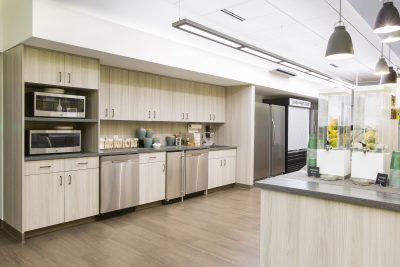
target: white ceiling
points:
(295, 29)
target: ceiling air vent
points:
(283, 72)
(233, 15)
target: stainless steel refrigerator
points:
(269, 140)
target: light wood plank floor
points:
(221, 229)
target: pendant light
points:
(391, 77)
(388, 19)
(391, 37)
(340, 45)
(381, 67)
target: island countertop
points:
(342, 190)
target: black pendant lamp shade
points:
(389, 79)
(340, 45)
(388, 19)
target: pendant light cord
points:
(340, 12)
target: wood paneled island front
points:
(310, 222)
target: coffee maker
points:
(208, 136)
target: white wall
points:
(239, 130)
(55, 22)
(1, 137)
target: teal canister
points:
(141, 133)
(394, 176)
(148, 142)
(170, 140)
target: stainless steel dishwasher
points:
(196, 170)
(119, 182)
(175, 186)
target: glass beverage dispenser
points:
(371, 132)
(334, 133)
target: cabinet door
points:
(229, 172)
(166, 112)
(104, 108)
(214, 173)
(137, 95)
(212, 99)
(151, 182)
(43, 200)
(178, 101)
(220, 106)
(156, 94)
(81, 72)
(43, 66)
(190, 101)
(119, 94)
(81, 194)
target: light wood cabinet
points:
(222, 168)
(81, 194)
(56, 68)
(152, 170)
(81, 72)
(58, 191)
(104, 92)
(141, 96)
(119, 95)
(43, 66)
(43, 200)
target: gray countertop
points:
(125, 151)
(341, 190)
(60, 156)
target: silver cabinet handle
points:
(113, 113)
(69, 77)
(210, 117)
(70, 179)
(61, 180)
(152, 157)
(45, 167)
(154, 114)
(214, 116)
(187, 116)
(183, 116)
(149, 114)
(182, 175)
(59, 76)
(106, 112)
(221, 162)
(224, 162)
(83, 163)
(163, 167)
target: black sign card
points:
(313, 171)
(381, 179)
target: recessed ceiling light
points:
(293, 66)
(260, 54)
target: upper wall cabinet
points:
(138, 96)
(55, 68)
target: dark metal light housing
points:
(340, 45)
(381, 67)
(390, 78)
(388, 19)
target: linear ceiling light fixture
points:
(340, 45)
(213, 35)
(388, 19)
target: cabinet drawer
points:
(81, 163)
(152, 157)
(222, 154)
(43, 166)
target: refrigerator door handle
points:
(273, 131)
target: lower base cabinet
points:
(51, 198)
(152, 170)
(221, 168)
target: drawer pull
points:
(70, 179)
(152, 157)
(45, 167)
(82, 163)
(61, 180)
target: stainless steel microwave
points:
(53, 141)
(43, 104)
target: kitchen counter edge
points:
(60, 156)
(344, 191)
(162, 149)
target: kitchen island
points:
(310, 222)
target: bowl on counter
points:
(156, 145)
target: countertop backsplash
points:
(127, 129)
